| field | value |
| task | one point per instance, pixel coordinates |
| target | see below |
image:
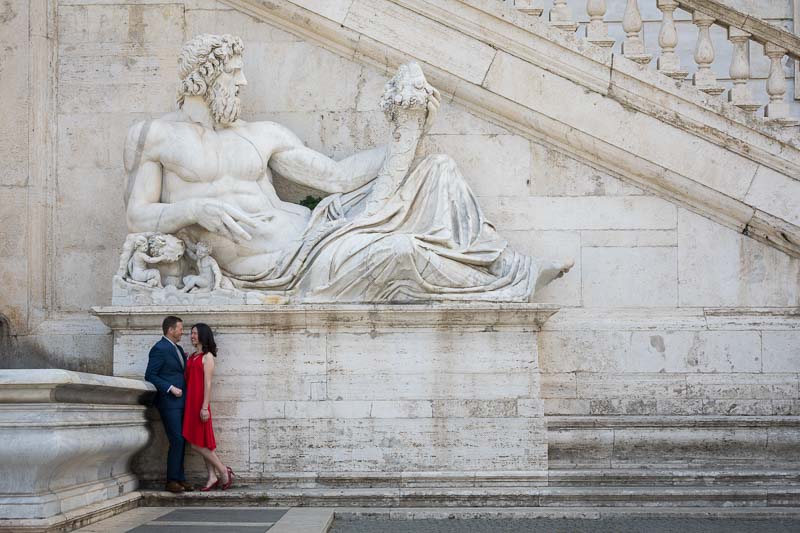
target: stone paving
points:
(208, 519)
(544, 525)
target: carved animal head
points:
(169, 247)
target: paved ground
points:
(544, 525)
(430, 520)
(190, 520)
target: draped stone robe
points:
(429, 241)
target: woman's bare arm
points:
(208, 373)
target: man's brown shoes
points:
(187, 487)
(175, 486)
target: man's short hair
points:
(169, 323)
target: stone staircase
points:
(676, 138)
(742, 30)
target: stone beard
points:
(225, 105)
(395, 226)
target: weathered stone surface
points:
(553, 173)
(584, 213)
(630, 277)
(494, 165)
(358, 389)
(83, 427)
(781, 351)
(775, 193)
(573, 196)
(719, 351)
(745, 273)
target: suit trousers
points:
(173, 425)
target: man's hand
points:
(433, 109)
(176, 391)
(222, 218)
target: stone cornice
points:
(475, 315)
(65, 386)
(505, 39)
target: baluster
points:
(597, 29)
(669, 63)
(633, 47)
(561, 16)
(777, 110)
(528, 7)
(740, 94)
(704, 79)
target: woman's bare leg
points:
(212, 458)
(212, 473)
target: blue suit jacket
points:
(165, 370)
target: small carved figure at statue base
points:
(208, 275)
(138, 265)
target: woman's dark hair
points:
(206, 338)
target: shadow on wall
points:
(17, 351)
(36, 351)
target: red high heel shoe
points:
(227, 485)
(210, 487)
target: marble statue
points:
(208, 277)
(395, 226)
(139, 262)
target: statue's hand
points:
(222, 218)
(433, 109)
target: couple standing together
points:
(184, 401)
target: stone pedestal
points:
(361, 395)
(68, 439)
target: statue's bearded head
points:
(211, 66)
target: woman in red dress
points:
(197, 429)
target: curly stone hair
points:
(202, 60)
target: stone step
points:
(754, 496)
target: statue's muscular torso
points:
(231, 165)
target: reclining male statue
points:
(395, 226)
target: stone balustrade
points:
(742, 30)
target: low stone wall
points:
(68, 440)
(361, 394)
(409, 397)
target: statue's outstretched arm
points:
(302, 165)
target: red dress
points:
(195, 430)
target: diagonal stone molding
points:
(517, 71)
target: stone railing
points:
(778, 44)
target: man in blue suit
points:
(165, 366)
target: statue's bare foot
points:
(551, 271)
(565, 267)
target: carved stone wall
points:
(641, 256)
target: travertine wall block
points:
(745, 273)
(630, 277)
